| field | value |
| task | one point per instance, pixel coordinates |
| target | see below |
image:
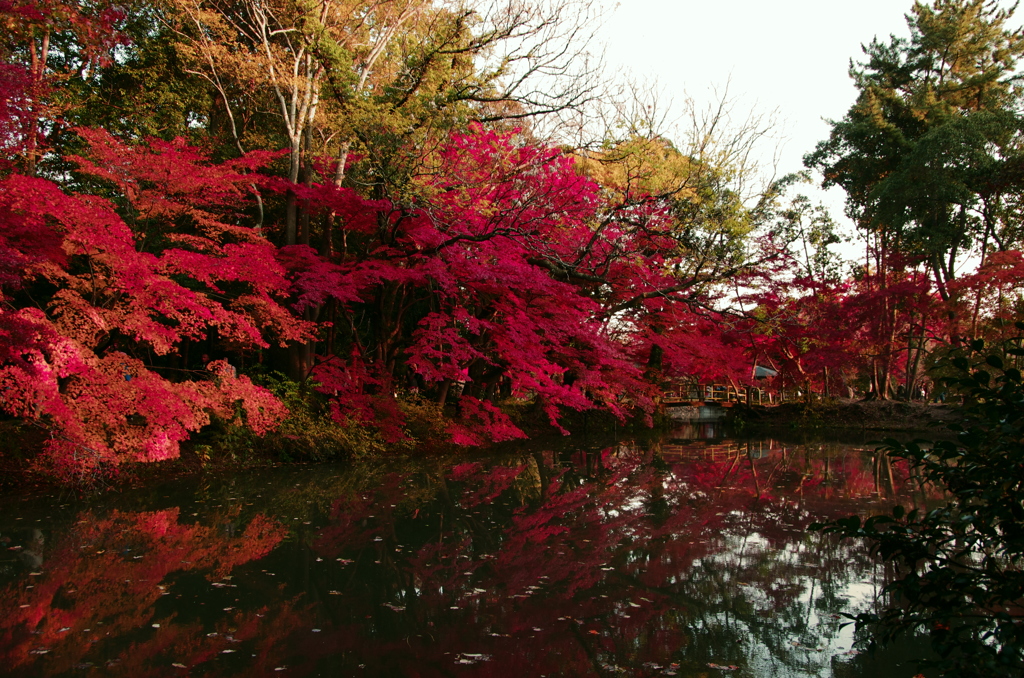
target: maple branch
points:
(466, 237)
(567, 271)
(667, 291)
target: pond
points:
(683, 556)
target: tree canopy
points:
(215, 214)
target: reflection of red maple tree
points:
(102, 586)
(552, 563)
(602, 562)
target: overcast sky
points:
(786, 55)
(789, 56)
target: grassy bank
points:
(849, 414)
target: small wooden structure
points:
(726, 395)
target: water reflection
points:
(685, 557)
(699, 430)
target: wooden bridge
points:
(725, 395)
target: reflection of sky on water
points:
(685, 557)
(817, 634)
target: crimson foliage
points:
(92, 307)
(492, 284)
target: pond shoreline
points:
(928, 420)
(931, 419)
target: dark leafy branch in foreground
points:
(959, 564)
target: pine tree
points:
(929, 153)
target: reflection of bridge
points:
(699, 450)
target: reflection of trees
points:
(564, 563)
(98, 599)
(612, 559)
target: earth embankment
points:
(865, 415)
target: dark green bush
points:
(959, 575)
(308, 433)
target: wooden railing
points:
(726, 395)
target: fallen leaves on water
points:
(471, 658)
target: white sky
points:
(785, 55)
(788, 56)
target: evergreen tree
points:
(929, 154)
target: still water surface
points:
(682, 557)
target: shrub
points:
(307, 433)
(959, 565)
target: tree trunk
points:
(442, 392)
(291, 202)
